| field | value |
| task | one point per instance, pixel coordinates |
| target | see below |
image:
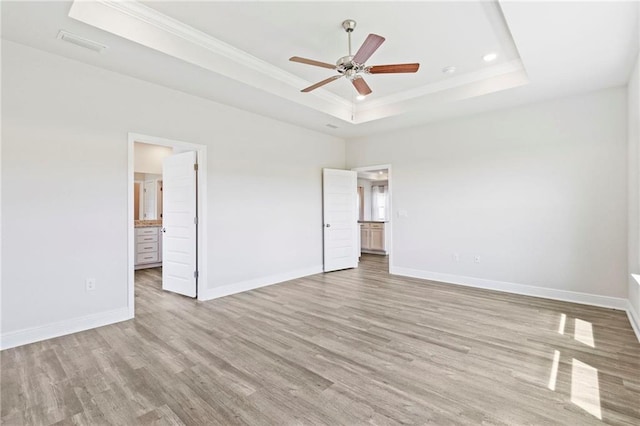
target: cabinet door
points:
(364, 238)
(376, 239)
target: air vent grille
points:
(81, 41)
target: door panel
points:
(339, 196)
(179, 223)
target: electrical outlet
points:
(476, 259)
(90, 284)
(456, 257)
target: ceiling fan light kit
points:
(353, 66)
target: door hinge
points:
(195, 166)
(195, 220)
(195, 274)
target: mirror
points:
(147, 196)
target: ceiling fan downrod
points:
(349, 25)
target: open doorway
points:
(374, 212)
(167, 211)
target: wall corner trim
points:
(242, 286)
(523, 289)
(62, 328)
(634, 319)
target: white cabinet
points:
(372, 237)
(365, 236)
(148, 247)
(376, 238)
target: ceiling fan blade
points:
(391, 69)
(369, 46)
(322, 83)
(361, 86)
(312, 62)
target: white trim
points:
(186, 32)
(242, 286)
(62, 328)
(513, 66)
(527, 290)
(634, 319)
(202, 210)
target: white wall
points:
(148, 158)
(538, 192)
(62, 119)
(633, 133)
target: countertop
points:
(147, 223)
(373, 221)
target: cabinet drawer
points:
(376, 225)
(364, 226)
(147, 248)
(146, 257)
(146, 238)
(147, 231)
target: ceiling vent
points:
(331, 126)
(81, 41)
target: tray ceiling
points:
(237, 52)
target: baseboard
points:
(61, 328)
(239, 287)
(527, 290)
(634, 319)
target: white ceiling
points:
(434, 34)
(376, 175)
(237, 53)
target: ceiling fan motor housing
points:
(346, 66)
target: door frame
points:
(201, 209)
(391, 220)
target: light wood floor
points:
(347, 348)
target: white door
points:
(179, 206)
(340, 201)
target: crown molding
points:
(173, 26)
(513, 66)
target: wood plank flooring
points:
(347, 348)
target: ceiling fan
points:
(353, 66)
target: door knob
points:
(328, 225)
(164, 229)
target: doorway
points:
(166, 215)
(375, 218)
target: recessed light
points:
(449, 70)
(490, 57)
(361, 97)
(380, 172)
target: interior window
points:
(379, 202)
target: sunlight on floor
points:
(563, 320)
(554, 370)
(584, 332)
(585, 389)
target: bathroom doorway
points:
(167, 216)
